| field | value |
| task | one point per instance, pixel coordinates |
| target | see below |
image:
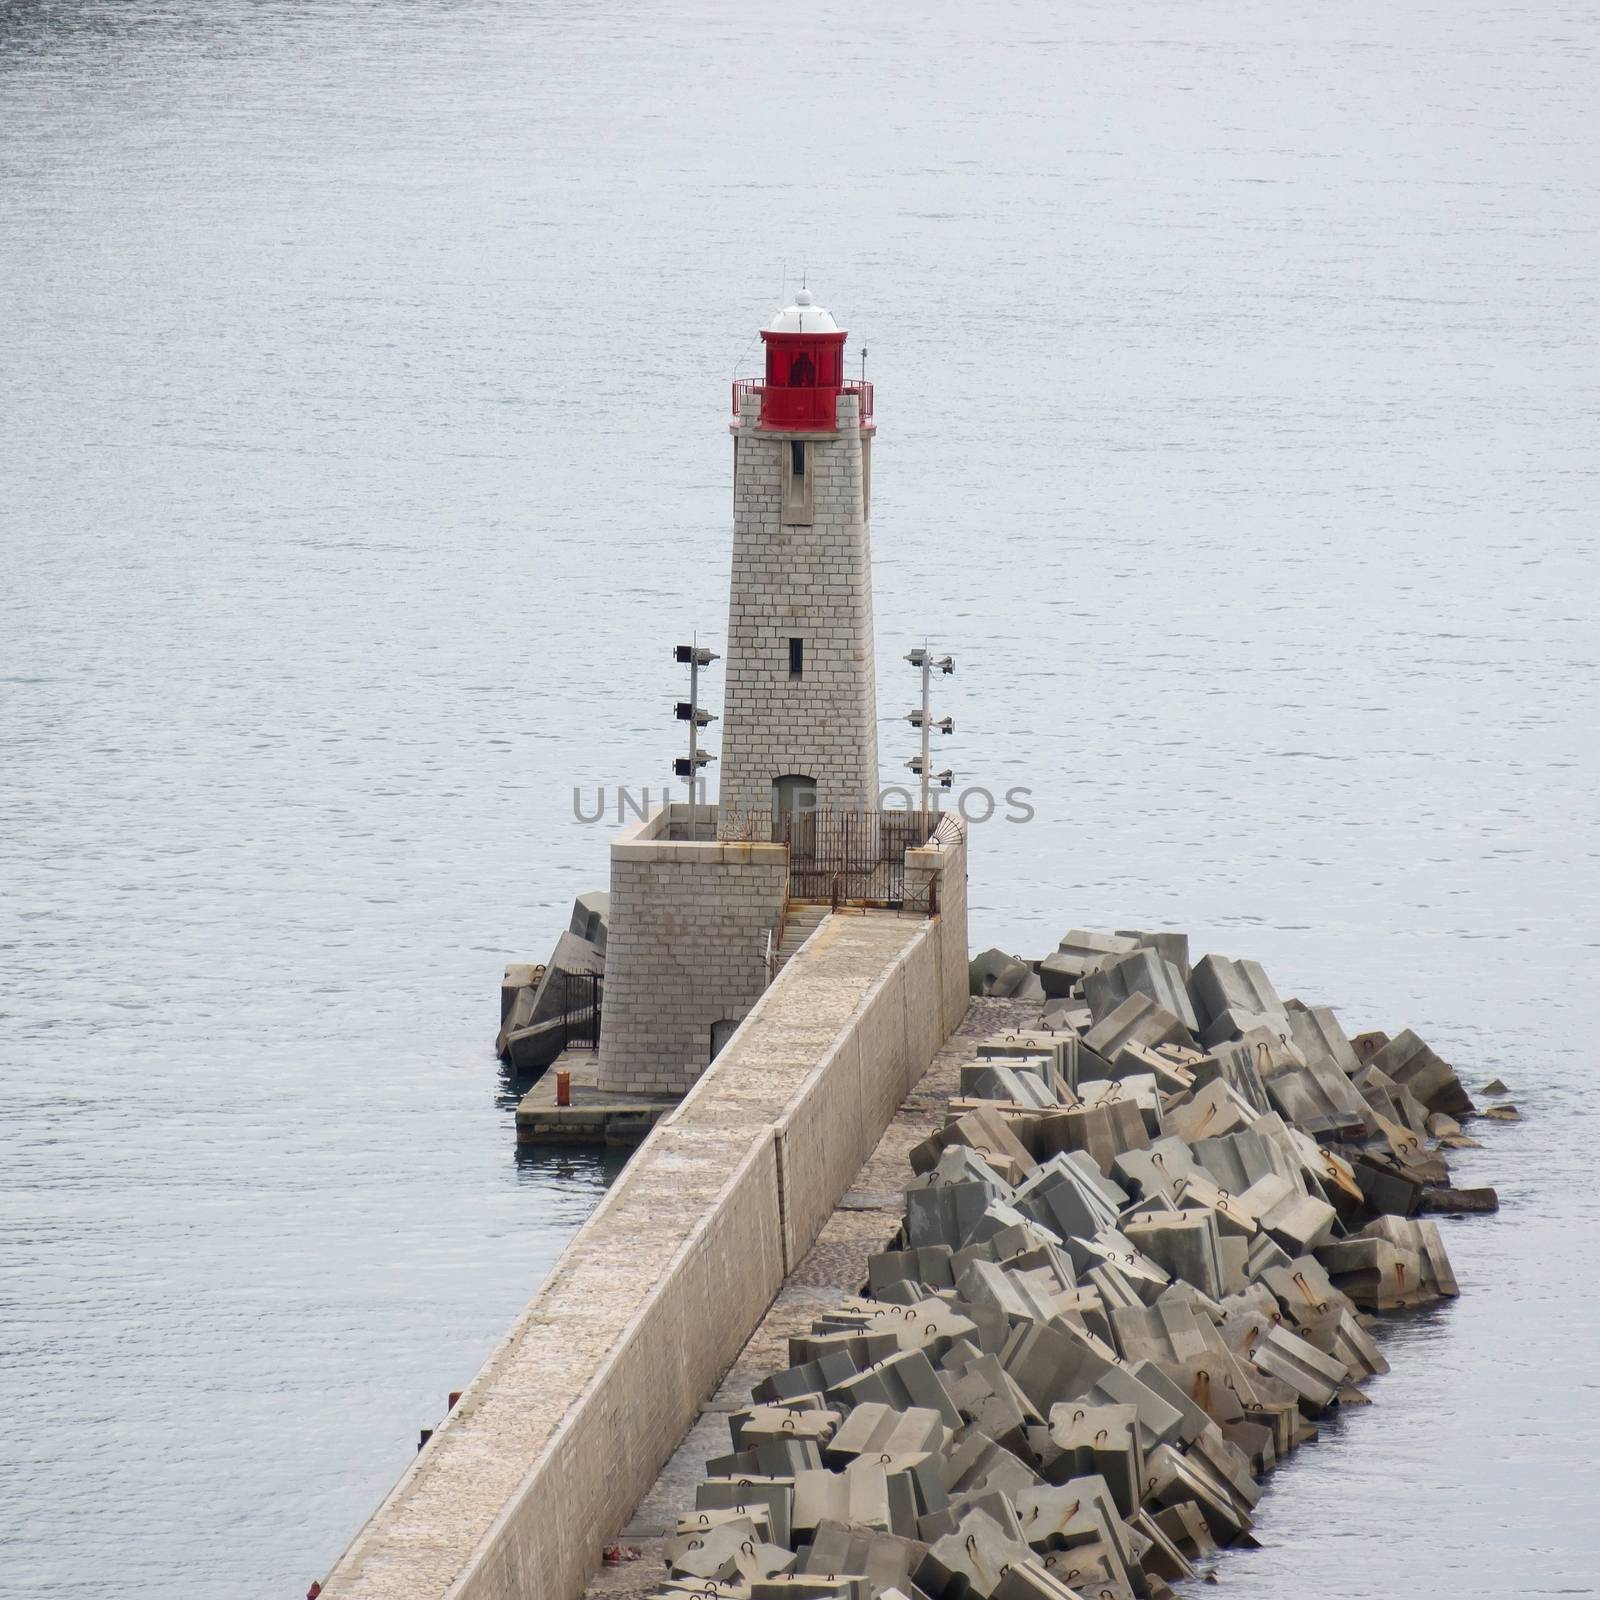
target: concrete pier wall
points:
(555, 1442)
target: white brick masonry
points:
(686, 949)
(802, 568)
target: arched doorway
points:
(794, 810)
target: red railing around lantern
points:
(801, 410)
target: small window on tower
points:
(797, 457)
(797, 658)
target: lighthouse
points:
(800, 714)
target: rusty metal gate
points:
(850, 857)
(582, 994)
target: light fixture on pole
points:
(694, 657)
(921, 718)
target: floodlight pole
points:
(927, 673)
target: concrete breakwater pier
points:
(1095, 1283)
(1035, 1322)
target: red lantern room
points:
(805, 371)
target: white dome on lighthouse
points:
(804, 316)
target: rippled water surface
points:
(362, 391)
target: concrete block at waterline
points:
(1173, 947)
(1162, 1558)
(1375, 1274)
(1172, 1479)
(1338, 1334)
(1423, 1239)
(1185, 1243)
(1137, 1020)
(1386, 1186)
(1315, 1377)
(1414, 1066)
(519, 976)
(1142, 972)
(1079, 954)
(1101, 1440)
(1219, 984)
(1388, 1099)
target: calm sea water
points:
(362, 452)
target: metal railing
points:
(805, 408)
(582, 998)
(844, 858)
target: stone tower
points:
(800, 716)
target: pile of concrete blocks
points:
(1137, 1264)
(532, 998)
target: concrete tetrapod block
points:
(984, 1132)
(1137, 1020)
(1210, 1112)
(1423, 1239)
(902, 1382)
(1170, 946)
(980, 1550)
(925, 1265)
(1154, 1171)
(1103, 1131)
(884, 1559)
(1160, 1420)
(1185, 1244)
(1218, 985)
(1171, 1479)
(1102, 1441)
(875, 1429)
(1414, 1066)
(1050, 1365)
(1142, 972)
(1235, 1064)
(1315, 1377)
(1375, 1274)
(773, 1496)
(1316, 1032)
(1322, 1101)
(757, 1424)
(1079, 954)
